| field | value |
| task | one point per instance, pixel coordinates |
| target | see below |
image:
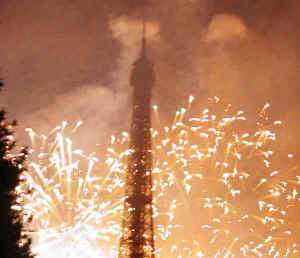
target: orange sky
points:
(70, 60)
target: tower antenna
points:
(144, 33)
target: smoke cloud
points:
(225, 27)
(65, 60)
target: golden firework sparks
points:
(221, 189)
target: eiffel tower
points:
(137, 239)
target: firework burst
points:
(70, 210)
(221, 190)
(236, 195)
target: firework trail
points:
(222, 189)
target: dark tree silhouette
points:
(12, 243)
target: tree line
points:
(14, 244)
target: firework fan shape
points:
(221, 189)
(69, 209)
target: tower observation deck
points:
(137, 239)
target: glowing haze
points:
(244, 51)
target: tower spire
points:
(144, 36)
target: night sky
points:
(71, 60)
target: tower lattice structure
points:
(137, 239)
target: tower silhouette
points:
(137, 239)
